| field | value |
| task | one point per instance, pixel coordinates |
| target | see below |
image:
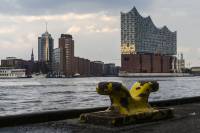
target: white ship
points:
(12, 73)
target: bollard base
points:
(106, 118)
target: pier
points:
(186, 119)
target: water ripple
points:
(36, 95)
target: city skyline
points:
(22, 24)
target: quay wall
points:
(14, 120)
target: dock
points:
(186, 120)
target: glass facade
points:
(45, 48)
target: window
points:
(126, 58)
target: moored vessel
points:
(6, 72)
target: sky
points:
(94, 24)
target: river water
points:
(19, 96)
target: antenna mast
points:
(46, 24)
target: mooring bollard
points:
(127, 107)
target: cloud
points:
(7, 30)
(62, 17)
(107, 18)
(109, 29)
(98, 29)
(38, 7)
(74, 30)
(185, 49)
(198, 50)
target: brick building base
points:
(146, 63)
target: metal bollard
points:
(127, 106)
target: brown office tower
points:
(66, 45)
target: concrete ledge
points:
(14, 120)
(173, 102)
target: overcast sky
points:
(94, 24)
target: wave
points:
(60, 92)
(40, 85)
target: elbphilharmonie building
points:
(144, 47)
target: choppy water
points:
(19, 96)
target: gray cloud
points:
(39, 7)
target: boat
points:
(55, 75)
(6, 72)
(76, 75)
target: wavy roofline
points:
(148, 18)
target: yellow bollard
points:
(127, 106)
(128, 102)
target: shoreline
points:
(155, 75)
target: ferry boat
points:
(12, 73)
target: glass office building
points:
(45, 48)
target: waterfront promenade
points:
(186, 120)
(53, 105)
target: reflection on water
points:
(39, 94)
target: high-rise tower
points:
(66, 45)
(45, 47)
